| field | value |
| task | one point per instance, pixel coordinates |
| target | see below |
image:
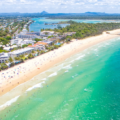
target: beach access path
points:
(21, 73)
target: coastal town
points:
(18, 44)
(26, 45)
(59, 60)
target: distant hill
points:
(86, 15)
(95, 13)
(44, 13)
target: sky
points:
(59, 6)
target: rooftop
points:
(52, 39)
(22, 50)
(43, 43)
(32, 45)
(4, 55)
(47, 41)
(47, 32)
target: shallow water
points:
(40, 23)
(83, 87)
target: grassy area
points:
(3, 51)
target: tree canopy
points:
(87, 29)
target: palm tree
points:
(67, 41)
(10, 60)
(17, 58)
(30, 56)
(21, 57)
(38, 52)
(33, 52)
(42, 51)
(56, 46)
(6, 61)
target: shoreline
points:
(32, 68)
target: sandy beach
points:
(24, 72)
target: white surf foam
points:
(53, 74)
(67, 67)
(35, 86)
(66, 71)
(80, 57)
(8, 103)
(72, 61)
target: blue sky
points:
(60, 6)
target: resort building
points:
(46, 33)
(21, 42)
(24, 31)
(27, 42)
(52, 39)
(34, 33)
(4, 57)
(16, 41)
(28, 36)
(37, 47)
(42, 43)
(7, 48)
(19, 52)
(10, 47)
(48, 42)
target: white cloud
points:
(23, 1)
(60, 5)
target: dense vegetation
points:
(87, 29)
(5, 40)
(3, 66)
(4, 33)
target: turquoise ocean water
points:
(86, 86)
(39, 23)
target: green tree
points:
(3, 66)
(56, 46)
(30, 56)
(46, 33)
(8, 38)
(42, 51)
(17, 58)
(10, 59)
(37, 39)
(25, 45)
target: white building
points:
(4, 57)
(6, 48)
(27, 36)
(16, 41)
(47, 33)
(21, 42)
(10, 47)
(35, 33)
(37, 47)
(27, 42)
(19, 52)
(48, 42)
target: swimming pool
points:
(58, 43)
